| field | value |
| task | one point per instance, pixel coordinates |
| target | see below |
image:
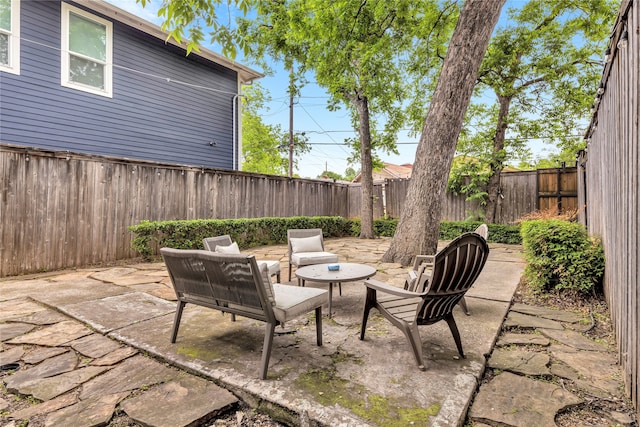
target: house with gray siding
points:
(87, 77)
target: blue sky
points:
(326, 130)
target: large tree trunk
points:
(366, 171)
(497, 159)
(419, 224)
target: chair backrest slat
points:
(231, 283)
(456, 268)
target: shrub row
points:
(560, 255)
(250, 232)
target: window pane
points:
(86, 72)
(4, 49)
(5, 15)
(87, 38)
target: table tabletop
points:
(348, 272)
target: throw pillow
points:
(306, 244)
(231, 249)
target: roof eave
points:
(245, 74)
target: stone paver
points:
(16, 308)
(135, 305)
(94, 345)
(525, 321)
(520, 361)
(89, 413)
(48, 388)
(522, 339)
(45, 407)
(37, 354)
(107, 314)
(547, 313)
(199, 400)
(12, 330)
(573, 339)
(115, 356)
(129, 375)
(44, 317)
(24, 378)
(514, 400)
(54, 335)
(598, 372)
(11, 355)
(113, 273)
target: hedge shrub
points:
(560, 255)
(247, 232)
(250, 232)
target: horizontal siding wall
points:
(60, 211)
(166, 107)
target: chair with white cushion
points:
(224, 245)
(236, 284)
(306, 247)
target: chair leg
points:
(176, 320)
(340, 288)
(463, 305)
(289, 271)
(266, 349)
(456, 334)
(319, 325)
(278, 277)
(413, 335)
(370, 301)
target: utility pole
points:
(291, 123)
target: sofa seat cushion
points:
(309, 258)
(293, 301)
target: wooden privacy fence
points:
(521, 193)
(60, 210)
(610, 185)
(64, 210)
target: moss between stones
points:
(328, 389)
(198, 353)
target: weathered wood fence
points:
(60, 210)
(64, 210)
(610, 185)
(521, 193)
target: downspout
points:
(235, 129)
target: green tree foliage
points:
(264, 146)
(541, 70)
(366, 54)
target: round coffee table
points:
(348, 272)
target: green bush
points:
(498, 233)
(250, 232)
(560, 255)
(247, 232)
(381, 227)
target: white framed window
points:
(10, 36)
(87, 51)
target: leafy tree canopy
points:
(264, 146)
(537, 81)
